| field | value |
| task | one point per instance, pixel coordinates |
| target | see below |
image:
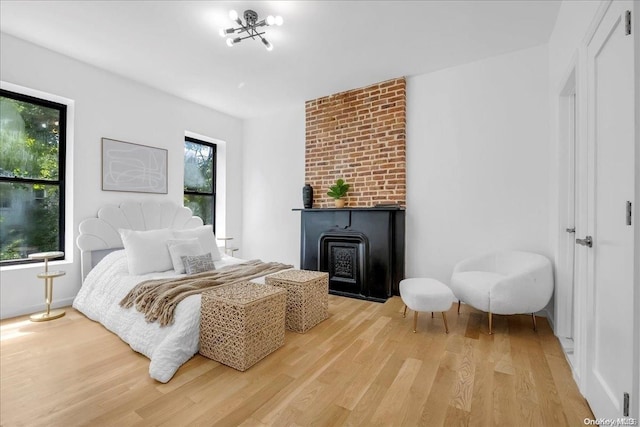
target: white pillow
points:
(205, 235)
(147, 251)
(182, 248)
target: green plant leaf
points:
(338, 190)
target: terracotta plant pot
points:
(339, 203)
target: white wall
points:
(273, 163)
(477, 161)
(107, 105)
(477, 167)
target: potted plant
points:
(338, 191)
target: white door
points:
(610, 56)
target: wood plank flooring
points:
(362, 366)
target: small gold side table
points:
(48, 277)
(226, 248)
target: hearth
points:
(362, 249)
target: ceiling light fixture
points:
(250, 28)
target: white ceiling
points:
(324, 47)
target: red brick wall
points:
(359, 136)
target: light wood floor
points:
(362, 366)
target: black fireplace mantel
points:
(369, 208)
(362, 249)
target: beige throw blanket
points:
(158, 298)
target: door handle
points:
(587, 241)
(570, 230)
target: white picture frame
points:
(133, 167)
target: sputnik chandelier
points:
(250, 28)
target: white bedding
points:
(168, 347)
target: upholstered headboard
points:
(99, 236)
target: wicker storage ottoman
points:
(242, 323)
(307, 297)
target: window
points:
(32, 153)
(200, 179)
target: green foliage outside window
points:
(29, 178)
(199, 179)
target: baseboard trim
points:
(7, 314)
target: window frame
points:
(213, 192)
(60, 182)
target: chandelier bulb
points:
(222, 32)
(233, 15)
(278, 20)
(270, 20)
(230, 42)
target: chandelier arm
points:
(255, 33)
(249, 28)
(238, 30)
(251, 36)
(243, 27)
(246, 28)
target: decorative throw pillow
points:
(205, 235)
(147, 251)
(180, 248)
(198, 263)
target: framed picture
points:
(133, 167)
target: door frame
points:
(578, 65)
(568, 98)
(635, 404)
(574, 80)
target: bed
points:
(107, 280)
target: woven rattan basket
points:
(240, 324)
(307, 297)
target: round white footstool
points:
(422, 294)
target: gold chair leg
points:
(446, 327)
(458, 306)
(533, 316)
(404, 314)
(490, 324)
(415, 320)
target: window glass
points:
(199, 178)
(30, 220)
(201, 206)
(198, 167)
(32, 142)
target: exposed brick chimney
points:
(360, 136)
